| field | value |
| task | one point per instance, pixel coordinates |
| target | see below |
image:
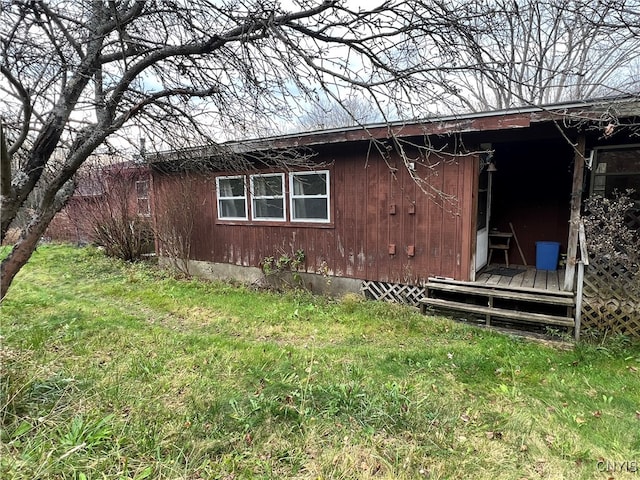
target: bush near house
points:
(611, 302)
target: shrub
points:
(609, 236)
(107, 204)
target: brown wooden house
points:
(400, 210)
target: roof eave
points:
(520, 117)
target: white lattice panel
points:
(393, 292)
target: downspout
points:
(574, 218)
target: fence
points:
(611, 298)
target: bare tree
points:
(175, 218)
(533, 53)
(335, 113)
(78, 74)
(109, 208)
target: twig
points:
(73, 450)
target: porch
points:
(520, 276)
(513, 297)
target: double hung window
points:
(232, 198)
(309, 196)
(268, 197)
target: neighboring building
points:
(105, 190)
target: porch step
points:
(510, 294)
(433, 282)
(517, 304)
(500, 312)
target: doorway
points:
(484, 211)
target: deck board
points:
(534, 297)
(517, 280)
(482, 278)
(529, 278)
(541, 280)
(550, 280)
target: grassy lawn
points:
(117, 371)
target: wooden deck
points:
(549, 280)
(530, 298)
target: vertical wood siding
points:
(356, 245)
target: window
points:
(232, 198)
(617, 169)
(142, 196)
(267, 197)
(309, 196)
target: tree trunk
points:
(9, 213)
(29, 239)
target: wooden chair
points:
(500, 241)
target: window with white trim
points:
(309, 196)
(142, 197)
(267, 197)
(232, 198)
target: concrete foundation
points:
(324, 285)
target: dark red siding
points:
(374, 205)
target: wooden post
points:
(584, 260)
(574, 218)
(578, 313)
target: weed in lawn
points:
(351, 302)
(119, 371)
(80, 433)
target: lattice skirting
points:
(393, 292)
(611, 299)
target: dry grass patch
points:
(139, 375)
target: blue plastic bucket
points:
(547, 255)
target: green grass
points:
(118, 371)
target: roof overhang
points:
(571, 114)
(602, 110)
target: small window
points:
(142, 195)
(232, 198)
(267, 197)
(617, 169)
(310, 196)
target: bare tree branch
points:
(25, 99)
(84, 76)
